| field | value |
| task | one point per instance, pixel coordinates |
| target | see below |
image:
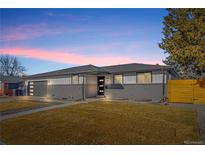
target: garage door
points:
(38, 88)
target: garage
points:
(37, 88)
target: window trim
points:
(130, 75)
(72, 79)
(83, 79)
(136, 74)
(161, 82)
(143, 73)
(114, 78)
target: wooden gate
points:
(186, 91)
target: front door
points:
(101, 82)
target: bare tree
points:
(11, 66)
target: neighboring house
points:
(128, 81)
(10, 85)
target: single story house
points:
(133, 81)
(11, 85)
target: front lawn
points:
(15, 105)
(103, 123)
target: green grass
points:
(103, 123)
(15, 105)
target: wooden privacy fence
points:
(186, 91)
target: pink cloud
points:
(23, 32)
(63, 57)
(101, 48)
(72, 58)
(29, 31)
(104, 48)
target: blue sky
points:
(50, 39)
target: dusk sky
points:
(50, 39)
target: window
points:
(81, 80)
(158, 78)
(129, 78)
(75, 79)
(143, 78)
(118, 79)
(108, 79)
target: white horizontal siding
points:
(59, 81)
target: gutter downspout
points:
(83, 88)
(163, 86)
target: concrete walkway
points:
(200, 109)
(12, 111)
(21, 113)
(32, 98)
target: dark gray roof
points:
(10, 79)
(136, 67)
(106, 69)
(72, 70)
